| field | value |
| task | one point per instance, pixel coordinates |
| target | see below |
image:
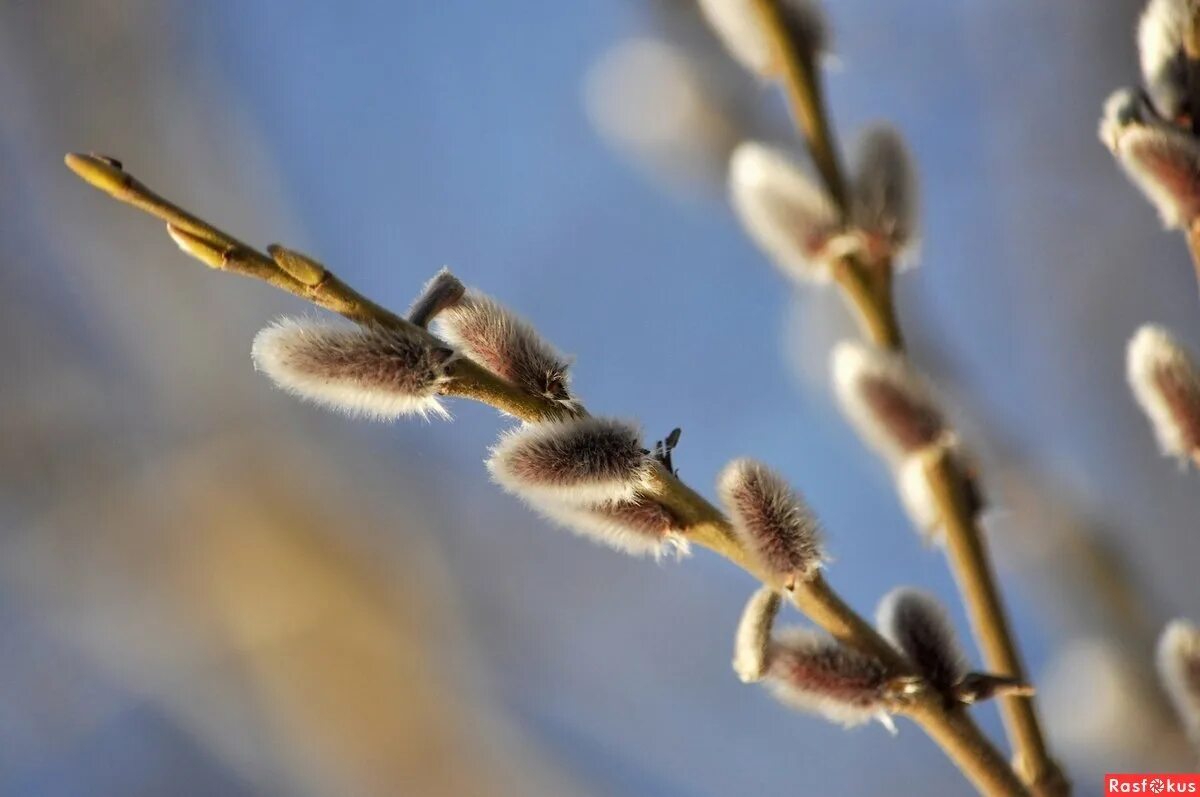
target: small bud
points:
(786, 214)
(1166, 384)
(100, 171)
(1163, 161)
(753, 637)
(919, 627)
(639, 526)
(579, 462)
(203, 250)
(505, 344)
(1163, 38)
(370, 371)
(772, 520)
(442, 291)
(884, 205)
(976, 687)
(297, 265)
(1179, 670)
(889, 405)
(813, 672)
(738, 25)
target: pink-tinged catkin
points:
(918, 626)
(1161, 159)
(737, 24)
(639, 526)
(810, 671)
(784, 212)
(1179, 670)
(443, 290)
(1166, 384)
(507, 345)
(890, 406)
(752, 641)
(884, 205)
(362, 371)
(579, 462)
(772, 520)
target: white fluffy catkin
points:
(784, 212)
(752, 641)
(918, 625)
(772, 520)
(884, 204)
(811, 671)
(362, 371)
(498, 339)
(1166, 384)
(888, 403)
(578, 462)
(1179, 670)
(737, 24)
(639, 526)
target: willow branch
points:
(705, 525)
(796, 65)
(869, 289)
(972, 569)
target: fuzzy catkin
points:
(581, 461)
(507, 345)
(812, 672)
(884, 205)
(772, 520)
(918, 626)
(639, 526)
(792, 219)
(1166, 383)
(368, 371)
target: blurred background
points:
(207, 588)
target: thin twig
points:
(705, 525)
(798, 76)
(869, 292)
(972, 569)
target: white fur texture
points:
(1165, 164)
(812, 672)
(737, 24)
(917, 498)
(1153, 355)
(501, 341)
(575, 462)
(855, 367)
(772, 519)
(601, 524)
(885, 206)
(368, 372)
(1160, 38)
(1178, 662)
(919, 627)
(784, 212)
(753, 636)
